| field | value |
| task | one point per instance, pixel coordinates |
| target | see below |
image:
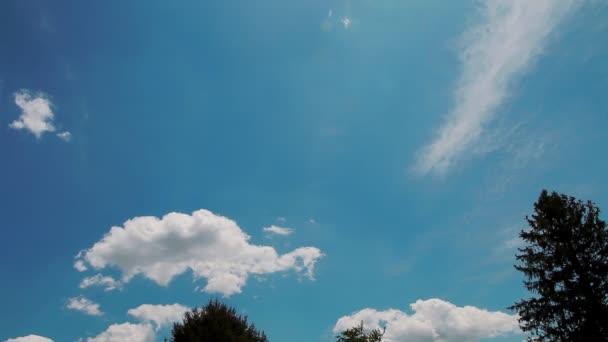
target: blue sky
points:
(400, 143)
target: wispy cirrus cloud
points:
(496, 51)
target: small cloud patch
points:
(84, 305)
(107, 282)
(65, 136)
(278, 230)
(36, 113)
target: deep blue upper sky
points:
(404, 141)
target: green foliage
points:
(215, 322)
(565, 263)
(357, 334)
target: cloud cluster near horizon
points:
(213, 247)
(30, 338)
(433, 320)
(152, 318)
(126, 332)
(496, 51)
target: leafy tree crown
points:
(357, 334)
(565, 265)
(215, 322)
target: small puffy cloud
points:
(278, 230)
(84, 305)
(107, 282)
(126, 332)
(65, 136)
(434, 320)
(36, 113)
(346, 22)
(160, 315)
(212, 246)
(29, 338)
(80, 266)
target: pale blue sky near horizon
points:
(403, 142)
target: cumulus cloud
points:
(212, 246)
(160, 315)
(84, 305)
(434, 320)
(30, 338)
(107, 282)
(36, 113)
(126, 332)
(497, 50)
(278, 230)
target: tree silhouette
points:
(357, 334)
(565, 263)
(215, 322)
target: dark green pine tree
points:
(215, 322)
(357, 334)
(565, 263)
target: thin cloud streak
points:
(496, 51)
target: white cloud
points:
(278, 230)
(36, 113)
(434, 320)
(80, 266)
(126, 332)
(85, 305)
(65, 136)
(160, 315)
(497, 50)
(29, 338)
(212, 246)
(107, 282)
(346, 22)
